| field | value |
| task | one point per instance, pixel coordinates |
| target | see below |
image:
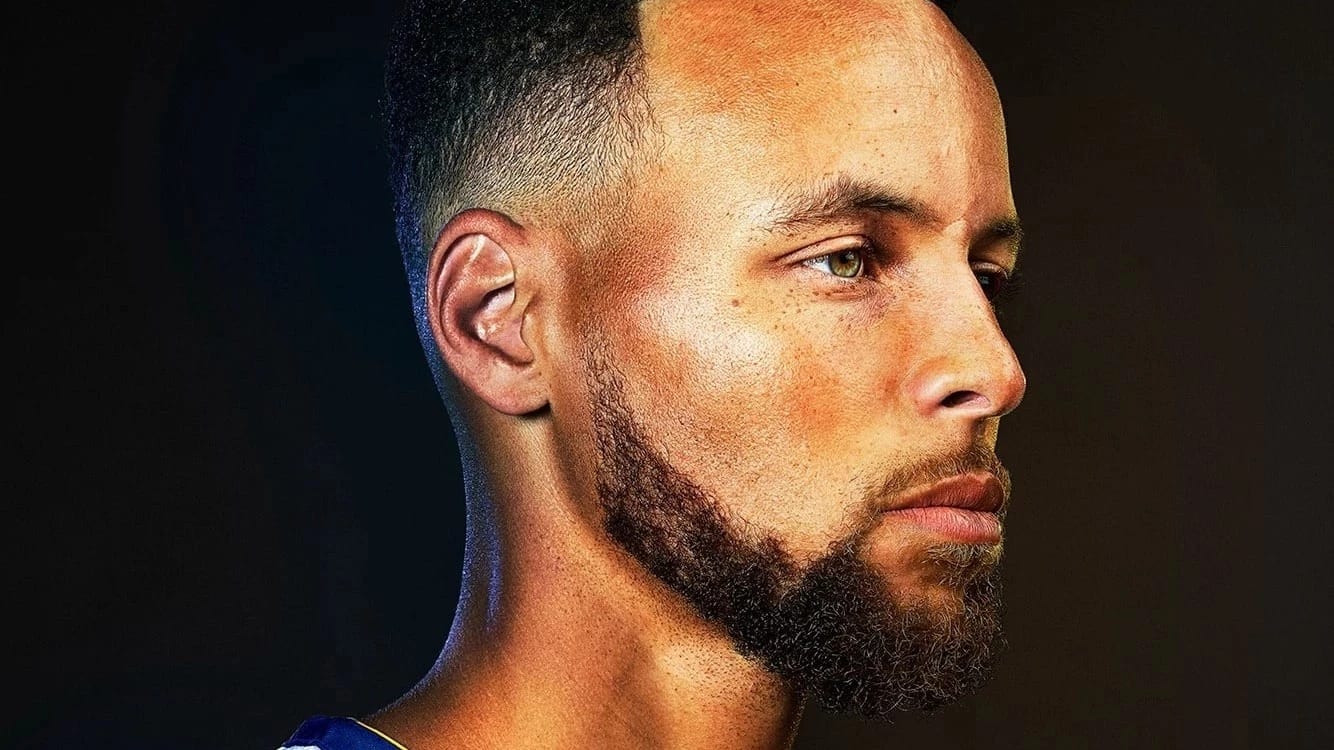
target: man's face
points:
(795, 331)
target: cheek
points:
(760, 401)
(728, 349)
(709, 367)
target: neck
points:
(561, 640)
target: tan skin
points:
(777, 363)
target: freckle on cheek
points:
(736, 302)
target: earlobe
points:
(477, 312)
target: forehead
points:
(757, 49)
(764, 98)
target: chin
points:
(937, 578)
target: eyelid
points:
(1008, 270)
(834, 246)
(831, 246)
(986, 265)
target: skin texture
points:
(786, 393)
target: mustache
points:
(932, 467)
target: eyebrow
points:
(1007, 230)
(841, 198)
(845, 197)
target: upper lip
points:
(980, 491)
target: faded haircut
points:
(519, 106)
(527, 107)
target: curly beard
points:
(831, 628)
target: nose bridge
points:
(965, 365)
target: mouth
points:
(963, 508)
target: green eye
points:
(846, 264)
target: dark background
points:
(233, 496)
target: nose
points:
(967, 370)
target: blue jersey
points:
(335, 733)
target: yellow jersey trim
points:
(382, 735)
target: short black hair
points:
(503, 104)
(506, 104)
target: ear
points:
(477, 306)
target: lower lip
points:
(959, 524)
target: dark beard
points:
(832, 630)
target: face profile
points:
(710, 292)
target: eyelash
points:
(1010, 283)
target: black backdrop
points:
(233, 497)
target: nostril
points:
(964, 398)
